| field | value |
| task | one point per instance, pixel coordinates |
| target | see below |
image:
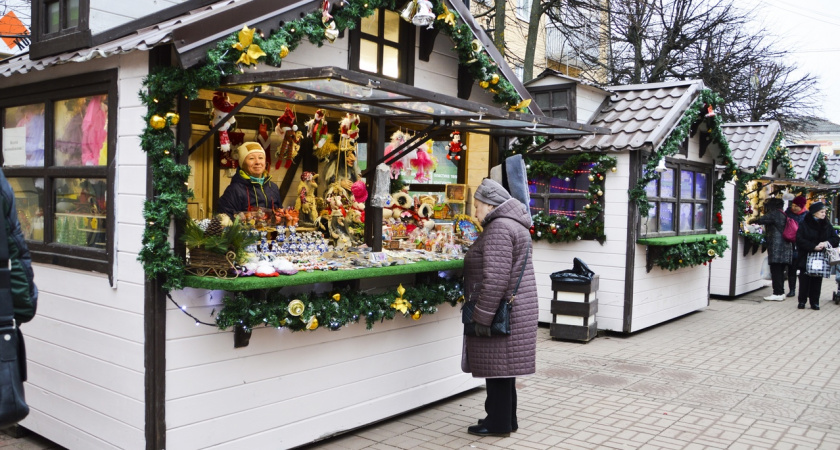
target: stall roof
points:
(639, 116)
(803, 157)
(361, 93)
(832, 165)
(751, 141)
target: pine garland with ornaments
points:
(819, 172)
(691, 254)
(165, 86)
(336, 309)
(586, 224)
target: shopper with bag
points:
(497, 265)
(779, 250)
(814, 236)
(797, 212)
(18, 302)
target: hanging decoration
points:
(251, 52)
(424, 16)
(221, 107)
(290, 139)
(690, 254)
(455, 147)
(316, 128)
(300, 312)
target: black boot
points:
(801, 305)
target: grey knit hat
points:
(491, 193)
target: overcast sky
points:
(811, 28)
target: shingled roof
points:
(832, 166)
(640, 116)
(803, 157)
(750, 142)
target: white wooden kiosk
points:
(631, 295)
(739, 270)
(114, 364)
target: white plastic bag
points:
(765, 269)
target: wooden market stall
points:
(670, 161)
(119, 356)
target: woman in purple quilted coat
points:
(492, 267)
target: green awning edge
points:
(321, 276)
(674, 240)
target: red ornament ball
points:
(532, 230)
(554, 231)
(577, 224)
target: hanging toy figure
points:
(330, 30)
(423, 163)
(349, 129)
(316, 128)
(221, 107)
(455, 147)
(305, 203)
(290, 136)
(398, 166)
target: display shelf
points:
(320, 276)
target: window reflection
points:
(367, 55)
(686, 214)
(80, 206)
(390, 62)
(666, 217)
(23, 136)
(81, 129)
(29, 201)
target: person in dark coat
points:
(492, 268)
(814, 234)
(779, 251)
(251, 187)
(795, 211)
(21, 276)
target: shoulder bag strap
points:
(522, 272)
(7, 312)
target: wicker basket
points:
(206, 263)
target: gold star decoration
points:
(521, 105)
(401, 304)
(447, 16)
(250, 52)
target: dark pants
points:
(809, 289)
(791, 268)
(500, 405)
(777, 274)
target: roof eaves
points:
(668, 123)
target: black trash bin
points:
(575, 303)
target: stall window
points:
(383, 44)
(556, 101)
(57, 143)
(560, 196)
(680, 201)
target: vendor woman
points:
(251, 187)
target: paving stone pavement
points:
(739, 374)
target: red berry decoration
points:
(577, 224)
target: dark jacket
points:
(779, 250)
(491, 269)
(243, 193)
(24, 291)
(811, 232)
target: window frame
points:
(66, 39)
(571, 99)
(546, 196)
(49, 93)
(679, 165)
(406, 48)
(523, 10)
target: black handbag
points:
(501, 321)
(13, 407)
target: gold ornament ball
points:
(312, 324)
(711, 252)
(494, 78)
(296, 307)
(714, 241)
(600, 193)
(336, 297)
(591, 178)
(417, 314)
(173, 118)
(680, 261)
(284, 51)
(157, 122)
(613, 170)
(484, 84)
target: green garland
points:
(336, 309)
(691, 254)
(588, 224)
(165, 85)
(819, 172)
(672, 145)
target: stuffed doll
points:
(221, 107)
(455, 147)
(305, 203)
(360, 195)
(291, 139)
(398, 166)
(349, 131)
(422, 163)
(316, 128)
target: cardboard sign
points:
(14, 146)
(16, 35)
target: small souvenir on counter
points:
(455, 147)
(467, 229)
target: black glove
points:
(482, 330)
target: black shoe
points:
(513, 428)
(792, 293)
(801, 306)
(479, 430)
(815, 307)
